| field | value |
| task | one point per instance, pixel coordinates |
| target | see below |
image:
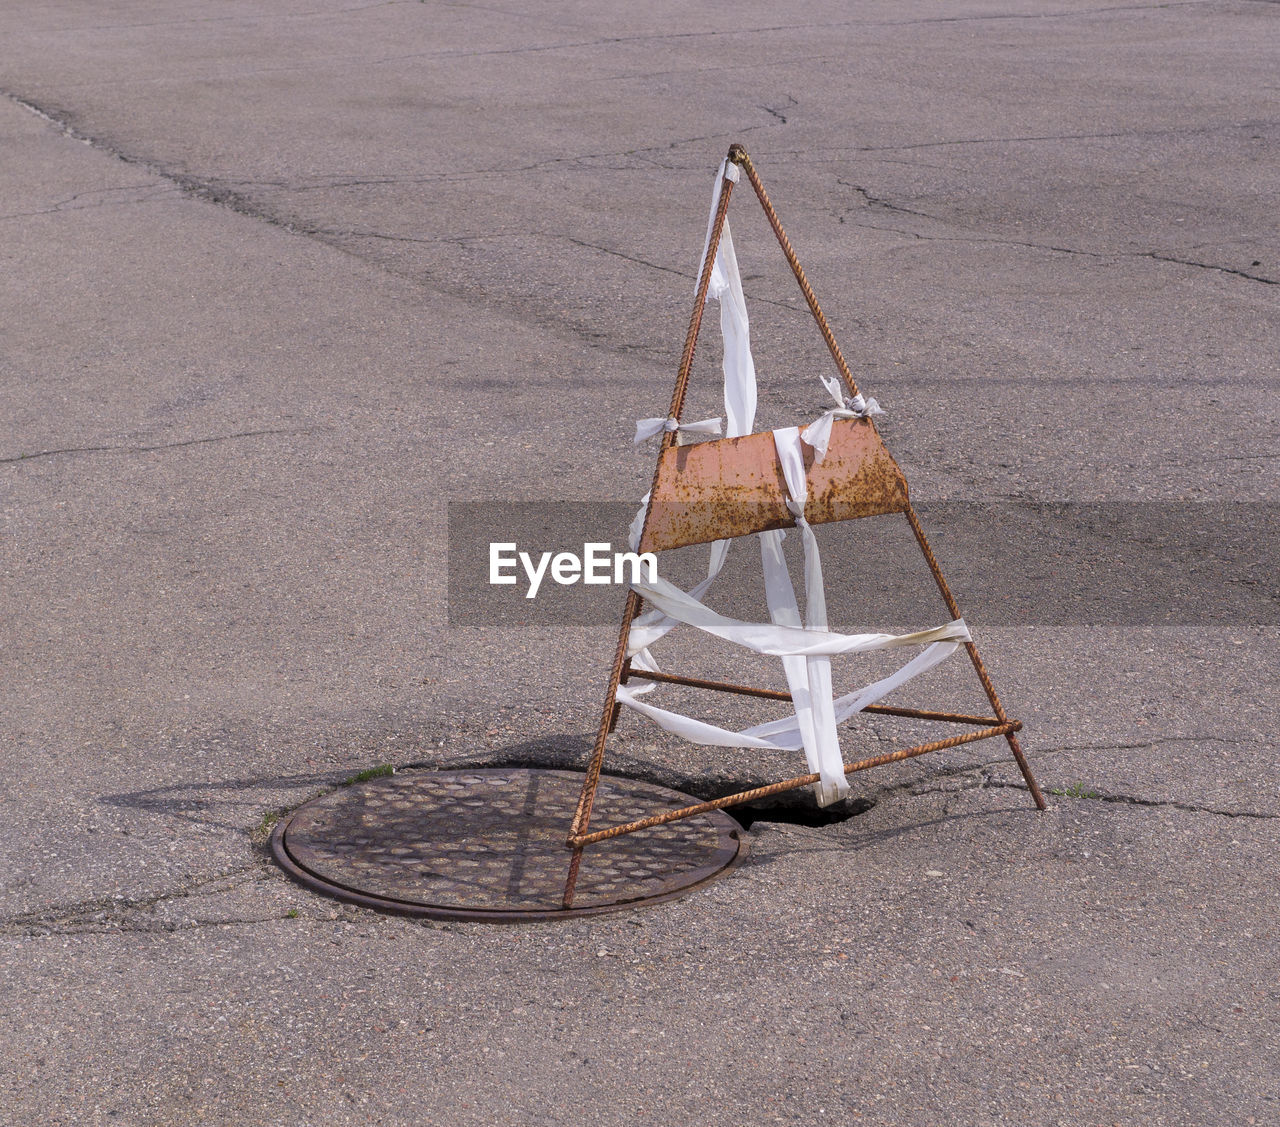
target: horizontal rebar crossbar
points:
(781, 694)
(579, 840)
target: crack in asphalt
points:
(794, 157)
(736, 32)
(980, 779)
(1032, 138)
(135, 914)
(630, 258)
(878, 201)
(233, 19)
(189, 185)
(776, 111)
(996, 240)
(223, 195)
(457, 240)
(129, 913)
(62, 206)
(755, 298)
(1047, 15)
(655, 75)
(606, 41)
(329, 183)
(1203, 265)
(236, 201)
(148, 449)
(1122, 799)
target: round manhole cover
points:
(489, 844)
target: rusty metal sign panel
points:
(734, 486)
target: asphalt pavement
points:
(282, 280)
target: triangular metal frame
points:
(984, 727)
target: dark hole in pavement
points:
(800, 811)
(794, 808)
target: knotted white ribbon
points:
(651, 428)
(818, 433)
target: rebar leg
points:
(974, 657)
(582, 816)
(1025, 768)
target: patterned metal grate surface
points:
(490, 844)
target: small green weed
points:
(291, 914)
(370, 773)
(262, 831)
(1075, 790)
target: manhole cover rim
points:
(730, 851)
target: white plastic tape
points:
(780, 641)
(651, 428)
(784, 734)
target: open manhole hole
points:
(800, 810)
(489, 844)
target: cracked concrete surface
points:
(281, 280)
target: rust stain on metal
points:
(734, 486)
(857, 478)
